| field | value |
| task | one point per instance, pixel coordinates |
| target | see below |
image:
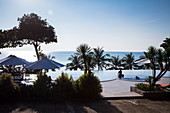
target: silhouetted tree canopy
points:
(34, 30)
(166, 46)
(31, 30)
(8, 38)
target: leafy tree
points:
(76, 63)
(116, 62)
(8, 38)
(83, 50)
(128, 61)
(166, 46)
(158, 58)
(34, 30)
(100, 57)
(8, 88)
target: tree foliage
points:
(100, 58)
(76, 63)
(32, 30)
(8, 38)
(63, 87)
(89, 86)
(128, 61)
(83, 51)
(158, 60)
(8, 88)
(87, 59)
(116, 62)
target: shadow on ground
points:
(33, 107)
(101, 106)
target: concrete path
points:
(118, 88)
(121, 88)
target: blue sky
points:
(116, 25)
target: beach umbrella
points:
(13, 60)
(143, 61)
(44, 63)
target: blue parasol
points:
(44, 63)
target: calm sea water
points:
(62, 57)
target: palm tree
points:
(90, 61)
(83, 50)
(160, 58)
(128, 61)
(151, 55)
(100, 57)
(116, 62)
(75, 64)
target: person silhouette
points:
(137, 78)
(120, 75)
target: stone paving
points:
(118, 88)
(121, 88)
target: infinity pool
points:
(108, 74)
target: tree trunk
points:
(98, 66)
(36, 50)
(153, 82)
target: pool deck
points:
(121, 88)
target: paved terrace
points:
(121, 88)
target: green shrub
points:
(88, 86)
(63, 87)
(42, 86)
(8, 89)
(27, 92)
(146, 87)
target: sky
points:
(115, 25)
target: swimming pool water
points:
(107, 74)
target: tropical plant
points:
(146, 87)
(128, 61)
(42, 86)
(8, 88)
(83, 51)
(90, 61)
(76, 63)
(142, 65)
(116, 62)
(100, 58)
(159, 59)
(64, 87)
(26, 91)
(88, 86)
(166, 46)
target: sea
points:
(104, 75)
